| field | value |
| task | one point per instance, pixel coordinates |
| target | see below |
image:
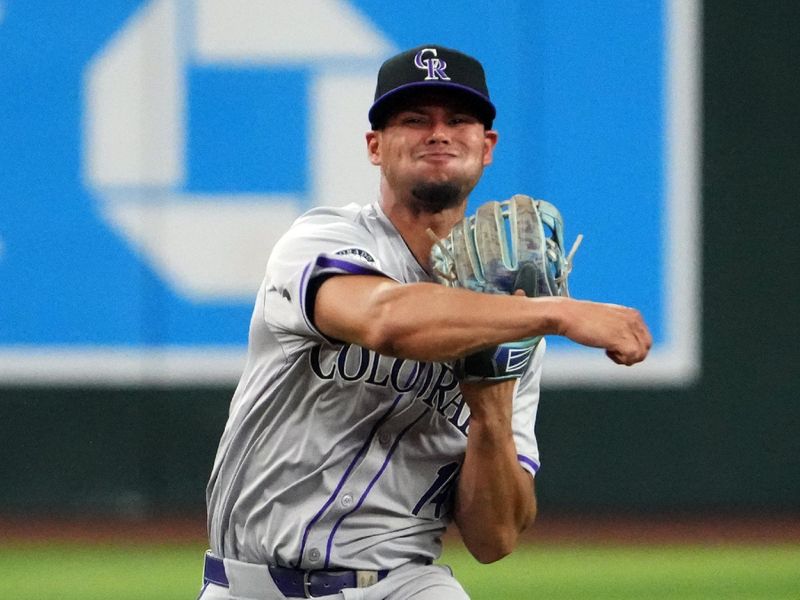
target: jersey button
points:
(347, 500)
(314, 555)
(384, 438)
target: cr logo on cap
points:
(434, 66)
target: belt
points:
(298, 583)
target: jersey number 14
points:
(441, 491)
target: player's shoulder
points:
(353, 221)
(328, 229)
(326, 215)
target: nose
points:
(439, 133)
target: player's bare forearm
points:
(424, 321)
(495, 499)
(427, 321)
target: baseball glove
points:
(506, 246)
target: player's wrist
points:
(552, 315)
(489, 401)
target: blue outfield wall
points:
(157, 148)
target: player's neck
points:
(413, 224)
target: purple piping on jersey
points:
(327, 262)
(369, 487)
(531, 463)
(344, 478)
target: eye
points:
(412, 119)
(462, 119)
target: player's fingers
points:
(641, 340)
(630, 350)
(615, 356)
(627, 359)
(648, 336)
(644, 337)
(637, 351)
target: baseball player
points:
(354, 438)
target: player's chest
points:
(425, 391)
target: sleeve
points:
(526, 404)
(321, 244)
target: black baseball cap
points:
(431, 67)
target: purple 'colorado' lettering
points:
(376, 362)
(441, 387)
(351, 363)
(341, 364)
(314, 360)
(457, 418)
(428, 370)
(416, 373)
(436, 384)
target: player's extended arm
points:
(495, 498)
(431, 322)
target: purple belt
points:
(293, 582)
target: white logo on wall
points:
(214, 246)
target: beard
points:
(435, 197)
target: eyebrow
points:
(453, 109)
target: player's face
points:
(432, 146)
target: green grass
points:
(165, 572)
(630, 572)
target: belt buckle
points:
(307, 584)
(366, 578)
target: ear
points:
(374, 147)
(489, 142)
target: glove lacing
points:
(552, 254)
(451, 275)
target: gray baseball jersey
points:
(335, 456)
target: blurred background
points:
(152, 151)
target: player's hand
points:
(619, 329)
